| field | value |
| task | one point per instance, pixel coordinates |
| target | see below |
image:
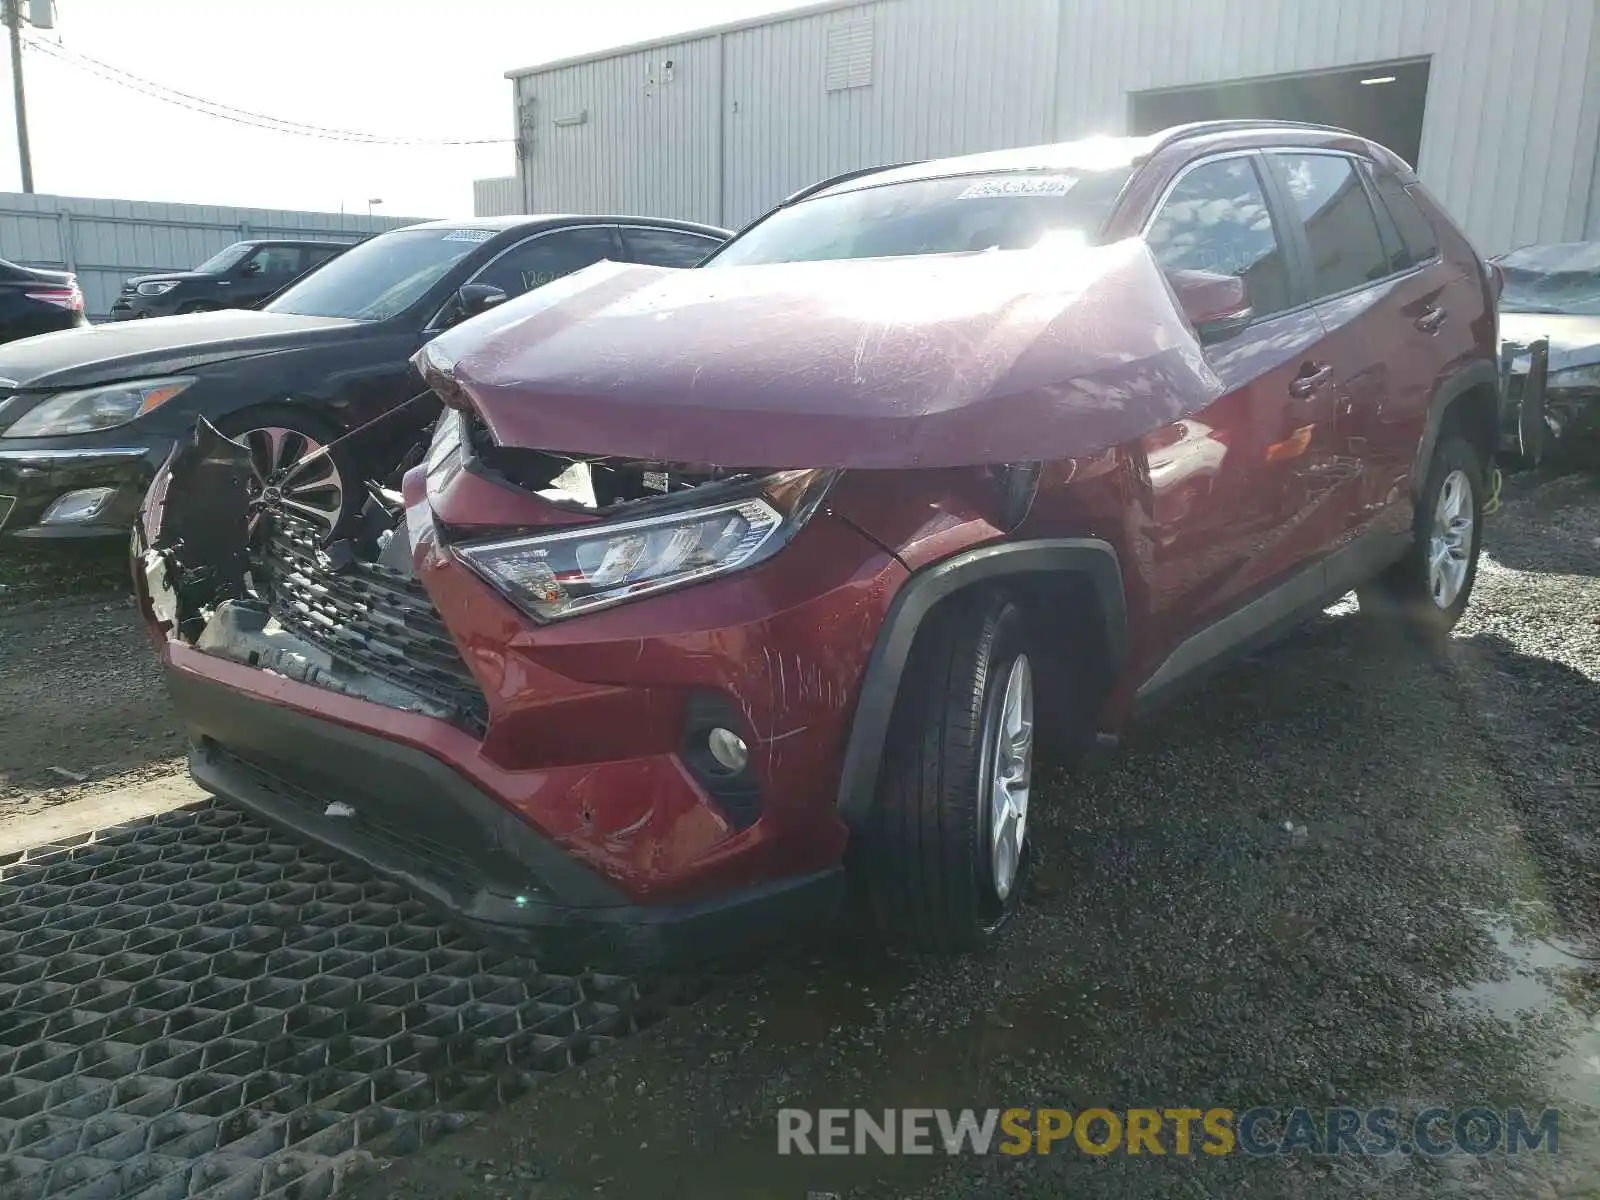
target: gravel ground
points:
(82, 708)
(1423, 932)
(1428, 939)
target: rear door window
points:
(548, 257)
(1216, 219)
(1326, 193)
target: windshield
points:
(381, 277)
(1553, 279)
(223, 259)
(1009, 211)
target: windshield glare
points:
(1003, 211)
(381, 277)
(223, 259)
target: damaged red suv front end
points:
(651, 779)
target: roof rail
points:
(1232, 124)
(845, 177)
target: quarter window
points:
(667, 247)
(1416, 231)
(1326, 193)
(1216, 219)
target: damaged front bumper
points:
(543, 784)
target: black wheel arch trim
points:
(1091, 558)
(1478, 373)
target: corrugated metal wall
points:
(105, 241)
(627, 134)
(926, 99)
(1509, 138)
(1510, 130)
(498, 197)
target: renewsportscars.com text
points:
(1162, 1131)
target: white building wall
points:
(497, 197)
(1509, 138)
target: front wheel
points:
(948, 853)
(1428, 589)
(296, 467)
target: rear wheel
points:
(1428, 589)
(290, 470)
(948, 853)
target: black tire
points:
(316, 429)
(930, 878)
(198, 306)
(1406, 593)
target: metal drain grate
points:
(198, 1006)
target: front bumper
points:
(36, 472)
(543, 783)
(132, 308)
(418, 821)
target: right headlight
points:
(158, 287)
(556, 575)
(89, 409)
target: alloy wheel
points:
(1450, 543)
(1010, 739)
(292, 471)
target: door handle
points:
(1431, 319)
(1308, 381)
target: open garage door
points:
(1382, 101)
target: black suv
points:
(239, 276)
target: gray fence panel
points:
(105, 241)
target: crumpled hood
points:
(1574, 340)
(932, 361)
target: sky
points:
(405, 68)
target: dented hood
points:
(932, 361)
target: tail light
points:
(69, 297)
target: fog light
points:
(76, 508)
(728, 748)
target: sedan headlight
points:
(558, 575)
(89, 409)
(1575, 378)
(159, 287)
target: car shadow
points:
(1549, 521)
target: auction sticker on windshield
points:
(1022, 185)
(468, 235)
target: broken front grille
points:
(371, 618)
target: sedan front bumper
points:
(53, 490)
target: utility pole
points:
(14, 23)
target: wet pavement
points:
(1350, 873)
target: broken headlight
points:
(556, 575)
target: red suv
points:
(719, 586)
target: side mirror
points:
(475, 298)
(1216, 305)
(250, 268)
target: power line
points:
(229, 112)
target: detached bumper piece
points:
(1524, 371)
(411, 818)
